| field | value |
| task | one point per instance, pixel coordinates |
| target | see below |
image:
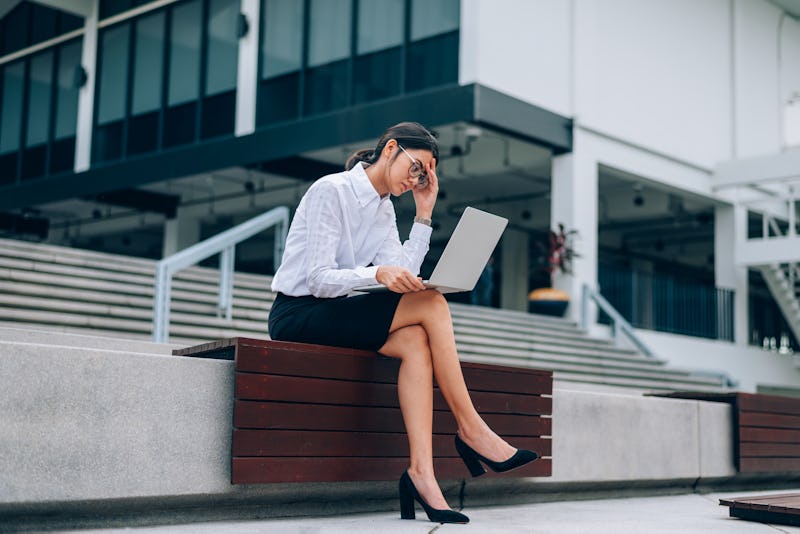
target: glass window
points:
(39, 90)
(184, 64)
(433, 17)
(66, 92)
(282, 44)
(330, 31)
(113, 81)
(148, 64)
(11, 127)
(223, 46)
(44, 21)
(380, 25)
(16, 28)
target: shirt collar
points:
(364, 190)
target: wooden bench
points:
(766, 429)
(312, 413)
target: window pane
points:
(380, 25)
(282, 44)
(16, 28)
(330, 30)
(66, 93)
(13, 85)
(113, 74)
(433, 17)
(223, 46)
(184, 64)
(41, 82)
(148, 64)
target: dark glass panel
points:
(222, 52)
(109, 8)
(113, 76)
(278, 99)
(148, 64)
(143, 133)
(11, 119)
(432, 62)
(107, 142)
(40, 85)
(219, 114)
(8, 168)
(68, 22)
(326, 88)
(69, 58)
(62, 155)
(16, 28)
(44, 23)
(180, 124)
(34, 162)
(377, 75)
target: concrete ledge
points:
(88, 432)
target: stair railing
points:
(223, 244)
(620, 326)
(618, 323)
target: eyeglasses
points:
(416, 170)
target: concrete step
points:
(512, 316)
(542, 341)
(88, 340)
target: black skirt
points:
(359, 322)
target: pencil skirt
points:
(359, 322)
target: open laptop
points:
(465, 255)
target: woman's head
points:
(409, 135)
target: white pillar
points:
(730, 228)
(247, 77)
(179, 233)
(514, 279)
(83, 135)
(574, 191)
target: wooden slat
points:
(784, 450)
(297, 359)
(251, 386)
(360, 444)
(287, 416)
(776, 435)
(768, 420)
(260, 470)
(751, 402)
(769, 465)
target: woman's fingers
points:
(398, 279)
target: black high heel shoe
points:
(473, 460)
(409, 493)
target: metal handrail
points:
(619, 324)
(223, 244)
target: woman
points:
(343, 236)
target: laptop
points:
(465, 255)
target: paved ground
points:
(684, 514)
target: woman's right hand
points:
(398, 279)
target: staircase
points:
(783, 281)
(45, 288)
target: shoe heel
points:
(406, 502)
(470, 458)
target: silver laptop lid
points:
(468, 250)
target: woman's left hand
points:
(425, 198)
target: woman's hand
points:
(425, 198)
(398, 279)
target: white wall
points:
(519, 47)
(750, 366)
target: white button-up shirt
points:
(341, 227)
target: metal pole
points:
(225, 302)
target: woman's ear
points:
(389, 147)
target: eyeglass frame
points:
(422, 178)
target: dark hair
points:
(408, 134)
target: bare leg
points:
(415, 392)
(429, 310)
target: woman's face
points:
(408, 169)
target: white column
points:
(83, 136)
(514, 275)
(573, 203)
(730, 228)
(247, 77)
(179, 233)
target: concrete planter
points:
(548, 301)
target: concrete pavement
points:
(684, 514)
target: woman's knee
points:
(430, 301)
(408, 343)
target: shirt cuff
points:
(368, 274)
(421, 232)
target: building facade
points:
(661, 132)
